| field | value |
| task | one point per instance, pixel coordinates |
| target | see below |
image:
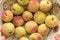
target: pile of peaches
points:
(28, 17)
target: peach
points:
(17, 9)
(45, 5)
(27, 16)
(24, 38)
(18, 21)
(20, 31)
(8, 29)
(43, 29)
(7, 16)
(39, 17)
(33, 6)
(51, 21)
(23, 2)
(31, 27)
(35, 36)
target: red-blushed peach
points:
(17, 9)
(27, 16)
(45, 5)
(31, 27)
(8, 29)
(35, 36)
(20, 31)
(43, 29)
(51, 21)
(7, 16)
(39, 17)
(23, 38)
(33, 6)
(18, 21)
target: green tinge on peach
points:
(31, 27)
(33, 6)
(43, 29)
(18, 21)
(23, 2)
(17, 9)
(7, 16)
(51, 21)
(20, 31)
(39, 17)
(27, 16)
(8, 29)
(35, 36)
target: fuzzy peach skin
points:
(17, 9)
(20, 31)
(23, 38)
(45, 5)
(43, 29)
(31, 27)
(8, 29)
(39, 17)
(23, 2)
(51, 21)
(33, 6)
(18, 21)
(27, 16)
(35, 36)
(7, 16)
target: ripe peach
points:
(33, 6)
(45, 5)
(18, 20)
(17, 9)
(35, 36)
(24, 38)
(20, 31)
(43, 29)
(51, 21)
(8, 29)
(27, 16)
(23, 2)
(39, 17)
(7, 16)
(31, 27)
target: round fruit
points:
(20, 31)
(39, 17)
(33, 6)
(18, 21)
(45, 5)
(8, 29)
(7, 16)
(23, 2)
(43, 29)
(27, 16)
(17, 9)
(31, 27)
(51, 21)
(35, 36)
